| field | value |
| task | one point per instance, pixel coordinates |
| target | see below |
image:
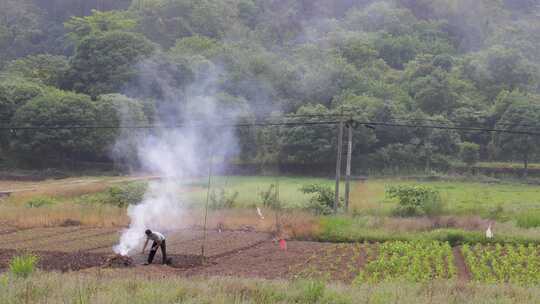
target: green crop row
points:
(518, 264)
(411, 261)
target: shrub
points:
(269, 197)
(39, 202)
(530, 219)
(125, 195)
(322, 200)
(222, 199)
(119, 196)
(23, 266)
(416, 200)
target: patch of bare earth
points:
(462, 271)
(56, 261)
(228, 253)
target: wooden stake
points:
(206, 205)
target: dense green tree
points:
(99, 23)
(456, 63)
(434, 93)
(521, 115)
(106, 63)
(309, 144)
(46, 69)
(471, 117)
(14, 93)
(321, 74)
(165, 22)
(397, 50)
(382, 16)
(197, 46)
(58, 108)
(500, 69)
(358, 51)
(21, 32)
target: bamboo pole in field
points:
(206, 204)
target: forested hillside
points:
(443, 62)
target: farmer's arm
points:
(144, 247)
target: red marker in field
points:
(283, 244)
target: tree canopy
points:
(458, 63)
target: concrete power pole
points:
(338, 164)
(348, 170)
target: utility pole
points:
(348, 170)
(338, 164)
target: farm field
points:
(460, 197)
(322, 250)
(254, 254)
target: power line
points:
(490, 130)
(97, 123)
(279, 124)
(232, 118)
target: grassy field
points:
(110, 287)
(461, 197)
(469, 207)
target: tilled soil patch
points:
(182, 261)
(57, 261)
(265, 260)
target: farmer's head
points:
(148, 232)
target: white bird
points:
(260, 213)
(489, 233)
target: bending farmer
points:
(158, 241)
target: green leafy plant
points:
(120, 196)
(39, 202)
(269, 197)
(130, 194)
(322, 200)
(417, 261)
(416, 200)
(222, 199)
(23, 266)
(516, 264)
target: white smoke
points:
(192, 129)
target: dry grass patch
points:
(293, 223)
(63, 214)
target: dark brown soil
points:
(265, 260)
(182, 261)
(59, 261)
(462, 271)
(230, 253)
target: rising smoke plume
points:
(193, 127)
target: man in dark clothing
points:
(158, 241)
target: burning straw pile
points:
(119, 261)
